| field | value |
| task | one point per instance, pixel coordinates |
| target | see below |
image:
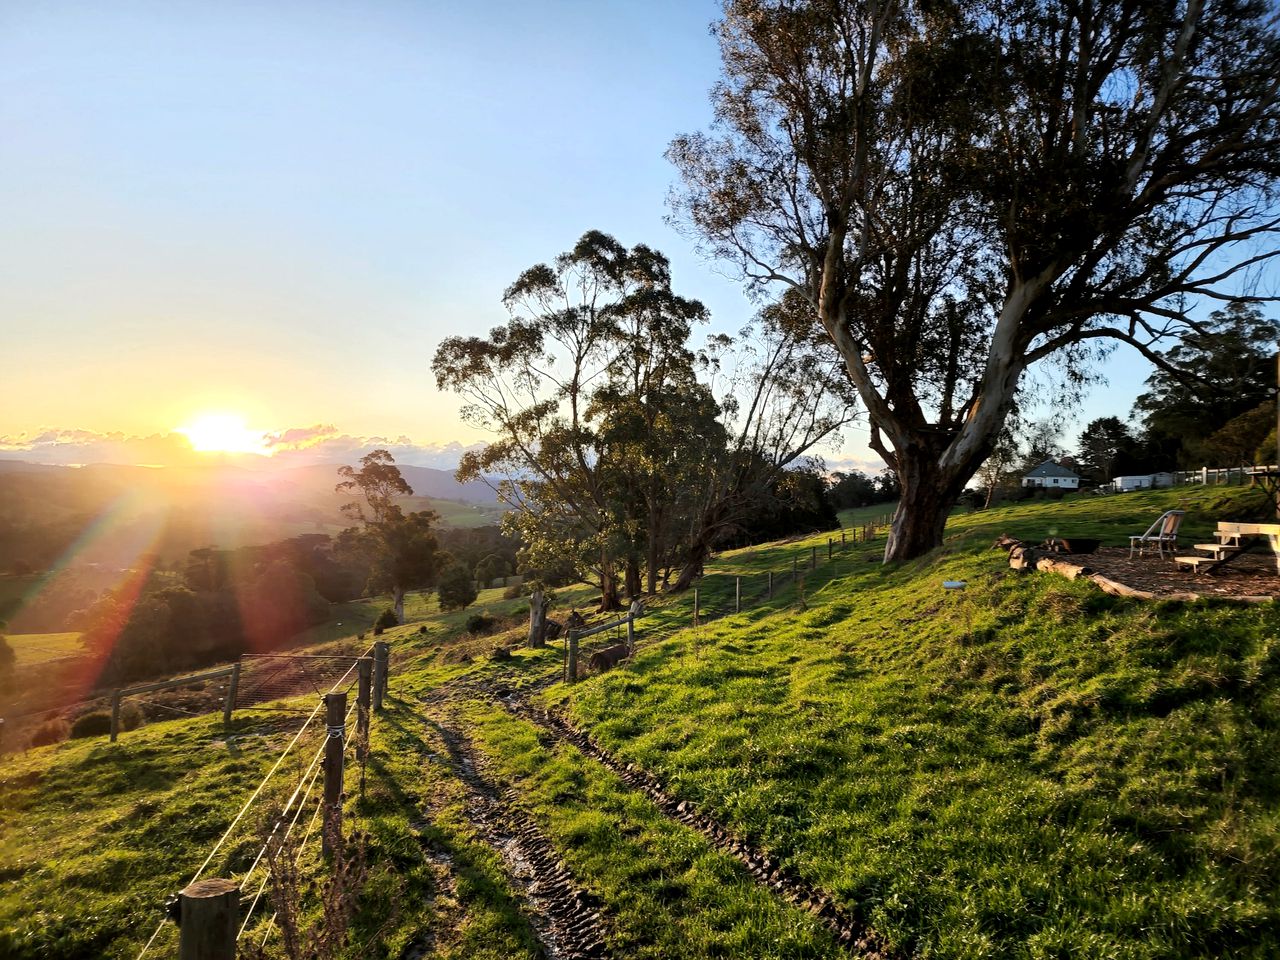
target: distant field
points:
(857, 516)
(39, 647)
(456, 513)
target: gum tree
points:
(961, 191)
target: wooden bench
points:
(1218, 550)
(1193, 562)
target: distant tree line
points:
(1211, 402)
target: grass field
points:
(32, 648)
(1029, 769)
(857, 516)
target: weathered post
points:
(770, 593)
(637, 610)
(813, 558)
(829, 548)
(364, 701)
(379, 673)
(336, 717)
(737, 594)
(842, 543)
(233, 686)
(209, 918)
(571, 657)
(695, 606)
(537, 619)
(115, 715)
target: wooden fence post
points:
(364, 701)
(336, 717)
(737, 594)
(209, 912)
(770, 594)
(571, 657)
(829, 542)
(695, 606)
(379, 673)
(813, 558)
(842, 543)
(233, 687)
(115, 715)
(631, 630)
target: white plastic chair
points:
(1164, 532)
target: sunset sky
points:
(276, 211)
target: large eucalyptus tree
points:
(962, 190)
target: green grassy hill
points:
(1030, 768)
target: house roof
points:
(1051, 469)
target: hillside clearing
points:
(1029, 768)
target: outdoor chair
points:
(1163, 533)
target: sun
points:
(223, 433)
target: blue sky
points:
(279, 209)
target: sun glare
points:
(223, 433)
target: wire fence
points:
(338, 675)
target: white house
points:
(1051, 475)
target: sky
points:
(279, 210)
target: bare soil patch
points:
(1250, 576)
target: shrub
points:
(456, 589)
(480, 623)
(386, 620)
(51, 731)
(131, 716)
(512, 592)
(96, 723)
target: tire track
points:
(779, 880)
(566, 919)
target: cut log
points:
(1062, 568)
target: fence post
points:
(842, 544)
(115, 715)
(770, 585)
(364, 700)
(737, 594)
(695, 606)
(233, 687)
(379, 673)
(336, 717)
(631, 631)
(813, 558)
(571, 657)
(209, 912)
(829, 548)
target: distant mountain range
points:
(109, 513)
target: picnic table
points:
(1246, 536)
(1234, 540)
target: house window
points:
(1055, 481)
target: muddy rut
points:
(782, 882)
(567, 920)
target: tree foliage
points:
(456, 589)
(618, 445)
(961, 191)
(401, 549)
(1216, 373)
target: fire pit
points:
(1073, 545)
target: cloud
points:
(296, 446)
